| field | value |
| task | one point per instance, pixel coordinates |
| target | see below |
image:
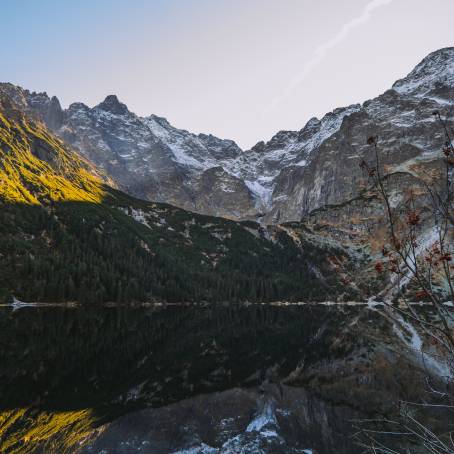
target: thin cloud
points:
(321, 51)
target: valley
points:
(168, 292)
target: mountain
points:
(281, 180)
(66, 235)
(408, 133)
(36, 167)
(61, 205)
(147, 157)
(216, 378)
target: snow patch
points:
(136, 214)
(261, 193)
(264, 418)
(200, 449)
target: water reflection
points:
(69, 358)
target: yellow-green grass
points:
(24, 178)
(26, 430)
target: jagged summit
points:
(436, 71)
(77, 106)
(113, 105)
(160, 120)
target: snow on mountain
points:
(282, 179)
(197, 152)
(152, 159)
(261, 166)
(434, 72)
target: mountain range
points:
(278, 181)
(88, 183)
(67, 235)
(169, 229)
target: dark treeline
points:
(94, 253)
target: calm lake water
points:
(70, 357)
(119, 360)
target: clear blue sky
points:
(241, 69)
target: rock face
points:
(408, 134)
(150, 159)
(281, 180)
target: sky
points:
(239, 69)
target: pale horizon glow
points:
(238, 69)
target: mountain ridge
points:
(280, 180)
(66, 235)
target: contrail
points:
(321, 51)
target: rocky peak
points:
(435, 71)
(54, 113)
(220, 148)
(259, 147)
(55, 102)
(280, 139)
(10, 93)
(161, 121)
(35, 104)
(312, 126)
(38, 98)
(75, 106)
(112, 105)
